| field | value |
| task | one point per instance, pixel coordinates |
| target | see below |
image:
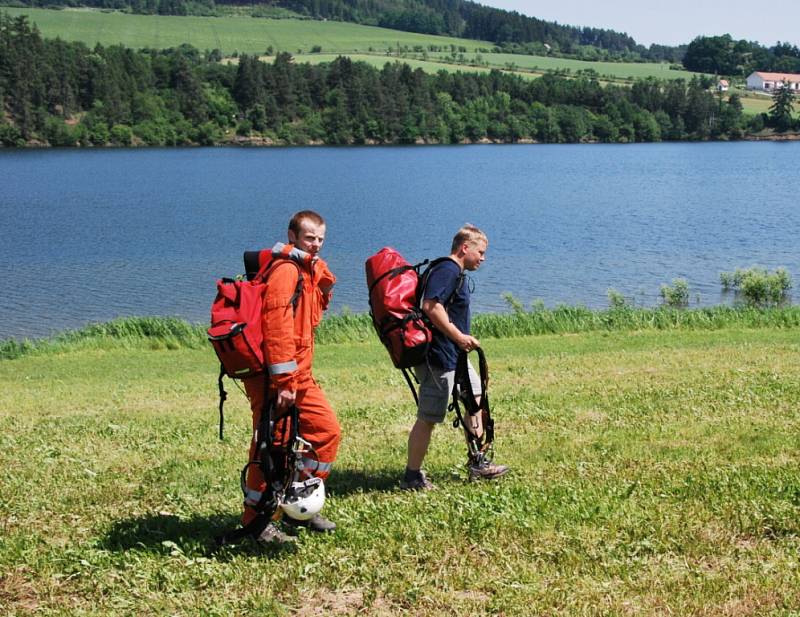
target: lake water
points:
(89, 235)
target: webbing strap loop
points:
(223, 396)
(411, 386)
(463, 393)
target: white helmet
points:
(304, 499)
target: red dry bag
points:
(235, 331)
(394, 307)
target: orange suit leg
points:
(317, 424)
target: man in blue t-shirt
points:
(445, 301)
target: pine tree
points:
(780, 113)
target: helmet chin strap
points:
(304, 494)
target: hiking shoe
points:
(316, 523)
(271, 535)
(484, 469)
(419, 483)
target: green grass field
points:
(429, 66)
(654, 473)
(614, 70)
(228, 34)
(253, 36)
(759, 104)
(529, 67)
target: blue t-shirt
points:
(447, 285)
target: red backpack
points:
(235, 332)
(395, 292)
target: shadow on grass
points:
(343, 481)
(193, 537)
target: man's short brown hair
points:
(468, 233)
(303, 215)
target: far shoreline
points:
(267, 142)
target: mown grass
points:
(654, 472)
(228, 34)
(614, 70)
(244, 34)
(428, 66)
(754, 104)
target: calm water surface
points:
(89, 235)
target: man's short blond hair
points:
(467, 234)
(309, 215)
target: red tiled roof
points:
(778, 76)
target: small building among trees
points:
(767, 82)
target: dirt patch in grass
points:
(16, 592)
(342, 602)
(756, 603)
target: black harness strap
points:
(411, 385)
(274, 462)
(463, 393)
(223, 396)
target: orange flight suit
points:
(288, 354)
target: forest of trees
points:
(722, 55)
(65, 94)
(460, 18)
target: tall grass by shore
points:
(174, 333)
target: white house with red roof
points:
(767, 82)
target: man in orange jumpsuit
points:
(288, 329)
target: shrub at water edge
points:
(757, 286)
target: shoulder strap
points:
(427, 274)
(264, 274)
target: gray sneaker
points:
(271, 535)
(420, 483)
(484, 469)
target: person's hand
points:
(468, 343)
(284, 400)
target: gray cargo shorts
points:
(435, 390)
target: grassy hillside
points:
(529, 67)
(253, 36)
(753, 103)
(228, 34)
(429, 66)
(654, 472)
(617, 70)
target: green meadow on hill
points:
(241, 34)
(228, 34)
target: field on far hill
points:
(615, 70)
(654, 472)
(754, 103)
(529, 67)
(429, 66)
(253, 36)
(228, 34)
